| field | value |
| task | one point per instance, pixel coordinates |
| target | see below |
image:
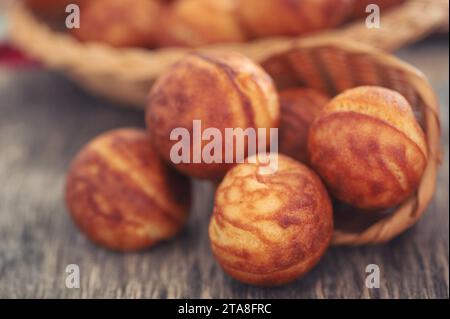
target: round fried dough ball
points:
(359, 6)
(368, 148)
(270, 229)
(52, 8)
(293, 17)
(299, 107)
(122, 195)
(119, 23)
(220, 91)
(199, 22)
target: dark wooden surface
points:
(45, 119)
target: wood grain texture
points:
(45, 119)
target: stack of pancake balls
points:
(363, 148)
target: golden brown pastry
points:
(359, 6)
(368, 148)
(122, 195)
(222, 90)
(299, 107)
(199, 22)
(291, 17)
(120, 23)
(270, 229)
(52, 8)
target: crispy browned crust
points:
(270, 229)
(120, 23)
(299, 107)
(359, 6)
(52, 8)
(291, 17)
(223, 90)
(122, 196)
(199, 22)
(368, 148)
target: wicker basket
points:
(125, 75)
(333, 66)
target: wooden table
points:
(45, 119)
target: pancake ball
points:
(270, 229)
(292, 17)
(299, 107)
(119, 23)
(368, 147)
(359, 6)
(122, 195)
(52, 8)
(199, 22)
(221, 91)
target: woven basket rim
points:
(36, 38)
(408, 213)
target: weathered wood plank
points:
(45, 119)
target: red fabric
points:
(14, 58)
